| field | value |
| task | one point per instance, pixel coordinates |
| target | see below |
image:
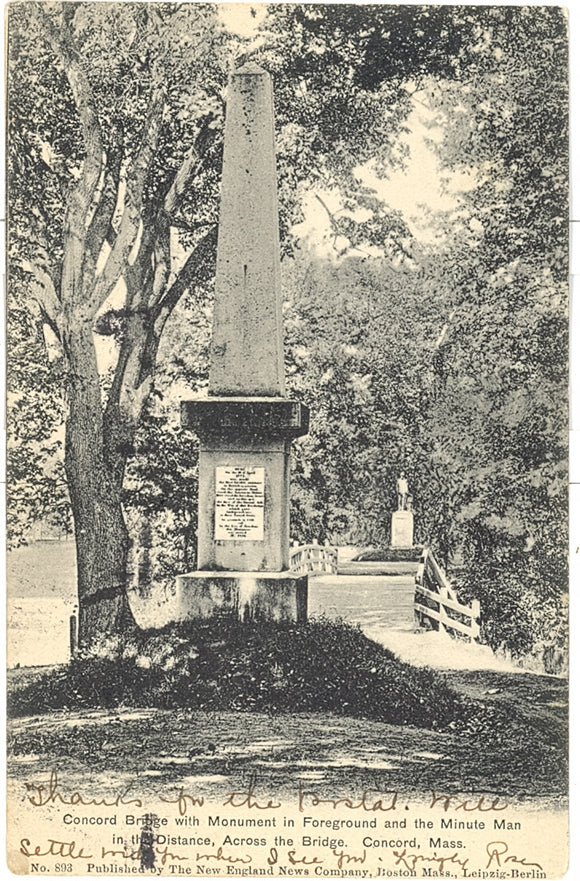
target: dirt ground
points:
(215, 751)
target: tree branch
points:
(331, 216)
(185, 173)
(190, 167)
(81, 200)
(198, 268)
(46, 296)
(100, 229)
(131, 218)
(162, 252)
(136, 362)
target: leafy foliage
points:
(360, 335)
(498, 423)
(36, 483)
(320, 665)
(479, 421)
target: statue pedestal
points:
(402, 529)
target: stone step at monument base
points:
(247, 596)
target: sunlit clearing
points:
(242, 18)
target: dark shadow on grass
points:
(318, 666)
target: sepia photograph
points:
(287, 383)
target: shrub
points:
(320, 665)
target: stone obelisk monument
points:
(246, 424)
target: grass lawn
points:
(510, 741)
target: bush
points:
(390, 555)
(320, 665)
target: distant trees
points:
(360, 337)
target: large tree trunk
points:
(95, 493)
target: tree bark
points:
(95, 494)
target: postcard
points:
(287, 440)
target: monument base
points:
(248, 596)
(402, 529)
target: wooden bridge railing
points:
(436, 603)
(313, 559)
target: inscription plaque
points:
(239, 503)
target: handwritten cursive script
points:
(247, 798)
(220, 856)
(367, 802)
(183, 800)
(497, 850)
(410, 860)
(49, 795)
(137, 854)
(344, 858)
(459, 803)
(55, 849)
